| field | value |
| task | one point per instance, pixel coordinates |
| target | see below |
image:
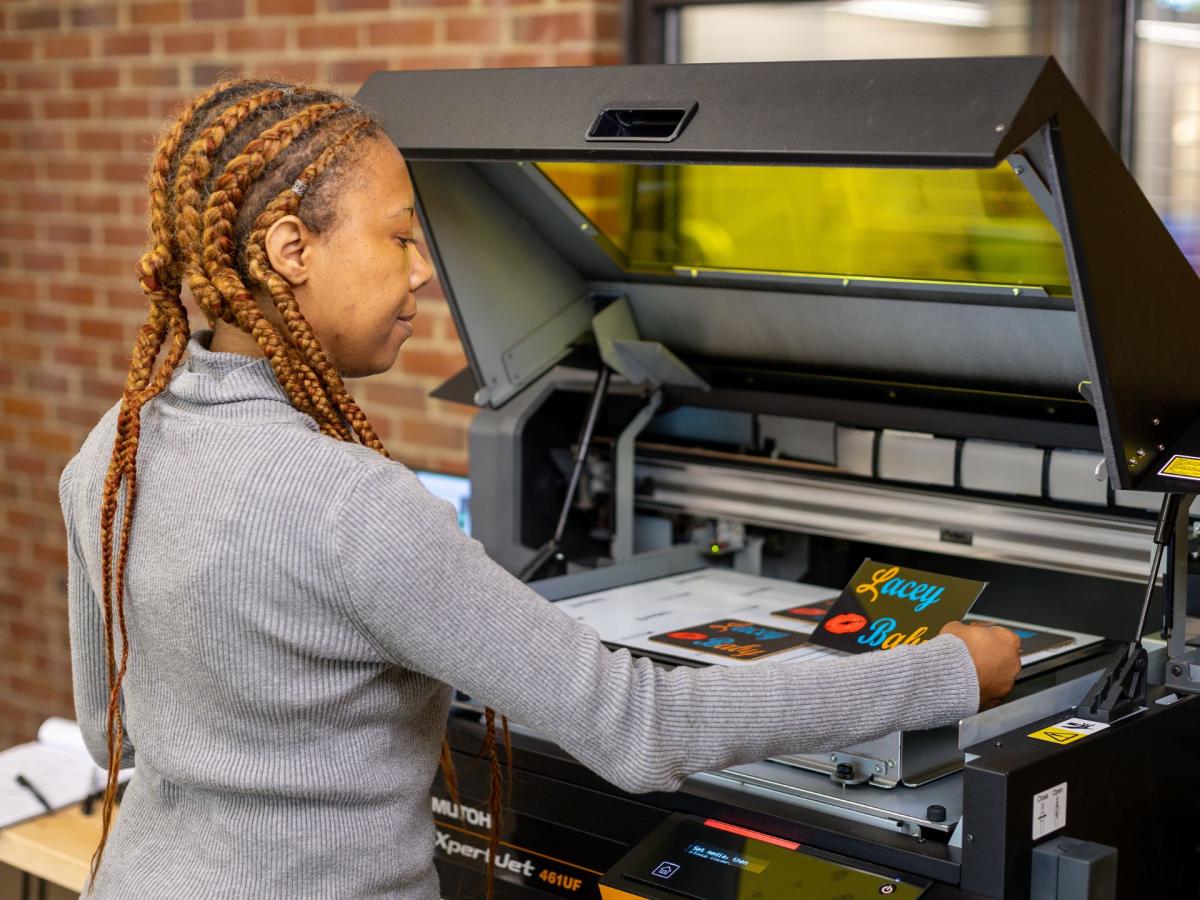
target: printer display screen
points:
(712, 860)
(710, 853)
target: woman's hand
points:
(996, 653)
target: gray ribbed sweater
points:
(298, 609)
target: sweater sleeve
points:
(430, 599)
(89, 668)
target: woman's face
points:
(360, 276)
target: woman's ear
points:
(286, 242)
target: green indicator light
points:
(716, 548)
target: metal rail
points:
(1106, 546)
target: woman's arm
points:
(89, 668)
(430, 599)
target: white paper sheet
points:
(57, 764)
(630, 615)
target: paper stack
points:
(57, 764)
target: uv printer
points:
(733, 329)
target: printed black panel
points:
(808, 612)
(886, 606)
(734, 639)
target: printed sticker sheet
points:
(723, 617)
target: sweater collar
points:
(229, 385)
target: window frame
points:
(1093, 42)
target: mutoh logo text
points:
(462, 813)
(451, 845)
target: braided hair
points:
(240, 156)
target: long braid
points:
(508, 758)
(158, 276)
(494, 793)
(157, 269)
(190, 179)
(194, 240)
(290, 366)
(161, 281)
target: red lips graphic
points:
(687, 635)
(846, 623)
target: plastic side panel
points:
(535, 197)
(494, 444)
(517, 304)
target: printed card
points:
(886, 606)
(809, 612)
(1032, 640)
(734, 639)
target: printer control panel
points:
(705, 859)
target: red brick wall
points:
(85, 88)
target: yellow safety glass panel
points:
(945, 225)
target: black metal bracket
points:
(1120, 690)
(550, 550)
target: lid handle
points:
(630, 122)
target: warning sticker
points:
(1068, 731)
(1049, 810)
(1057, 735)
(1182, 467)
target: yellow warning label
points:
(1182, 467)
(1057, 735)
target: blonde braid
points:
(218, 255)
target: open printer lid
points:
(961, 224)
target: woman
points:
(274, 634)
